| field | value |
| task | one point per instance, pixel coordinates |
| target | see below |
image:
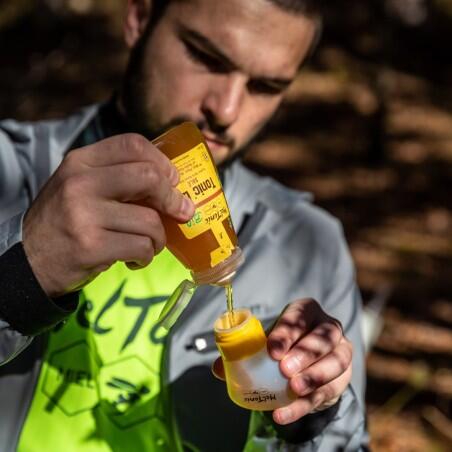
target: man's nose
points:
(224, 100)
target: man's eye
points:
(200, 57)
(259, 87)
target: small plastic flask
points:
(253, 378)
(207, 244)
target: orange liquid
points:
(194, 253)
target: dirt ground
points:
(366, 127)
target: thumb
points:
(218, 369)
(178, 206)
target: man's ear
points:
(136, 19)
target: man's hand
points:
(314, 355)
(102, 205)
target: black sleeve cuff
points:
(307, 428)
(23, 303)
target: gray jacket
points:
(293, 250)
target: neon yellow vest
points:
(99, 388)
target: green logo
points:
(197, 218)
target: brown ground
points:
(367, 127)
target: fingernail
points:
(292, 365)
(275, 348)
(187, 208)
(284, 416)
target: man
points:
(107, 378)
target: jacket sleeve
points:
(25, 309)
(348, 430)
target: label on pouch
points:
(200, 182)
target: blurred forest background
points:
(367, 127)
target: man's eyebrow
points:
(198, 39)
(279, 83)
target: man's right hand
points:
(103, 204)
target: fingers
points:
(101, 250)
(322, 398)
(294, 322)
(330, 393)
(128, 168)
(126, 148)
(133, 219)
(313, 354)
(312, 347)
(302, 335)
(140, 181)
(218, 369)
(323, 372)
(75, 228)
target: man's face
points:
(223, 64)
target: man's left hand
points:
(314, 355)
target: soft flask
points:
(253, 378)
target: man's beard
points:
(134, 96)
(243, 150)
(133, 93)
(133, 99)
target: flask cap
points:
(243, 338)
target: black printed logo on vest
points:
(127, 394)
(139, 306)
(69, 381)
(75, 382)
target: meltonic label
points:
(200, 182)
(259, 396)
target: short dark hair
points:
(308, 7)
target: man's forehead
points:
(256, 35)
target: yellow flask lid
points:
(243, 338)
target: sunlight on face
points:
(223, 65)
